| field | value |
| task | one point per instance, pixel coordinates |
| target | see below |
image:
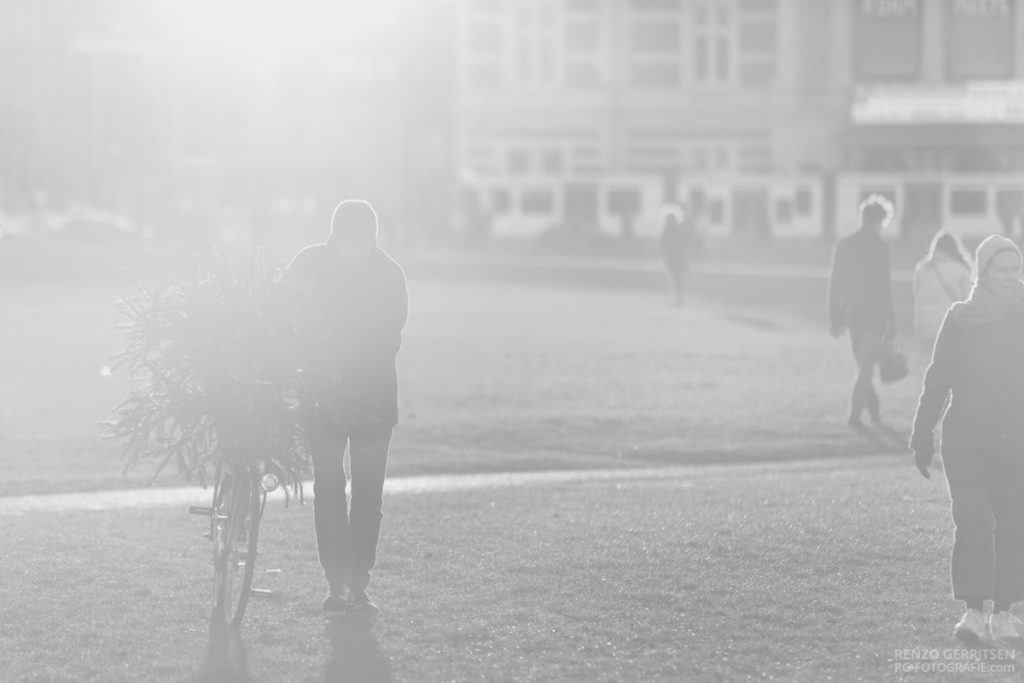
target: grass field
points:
(494, 377)
(791, 547)
(798, 571)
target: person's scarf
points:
(984, 306)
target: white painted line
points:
(185, 496)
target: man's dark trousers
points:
(868, 345)
(346, 541)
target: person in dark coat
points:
(676, 241)
(977, 369)
(353, 302)
(860, 299)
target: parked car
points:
(94, 226)
(12, 227)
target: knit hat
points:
(354, 220)
(989, 247)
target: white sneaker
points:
(1004, 625)
(972, 627)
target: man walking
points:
(354, 304)
(860, 299)
(676, 242)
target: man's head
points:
(673, 214)
(353, 227)
(875, 212)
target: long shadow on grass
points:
(227, 659)
(762, 324)
(870, 443)
(355, 654)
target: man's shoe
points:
(360, 600)
(1005, 626)
(972, 627)
(336, 602)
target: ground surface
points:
(798, 571)
(494, 378)
(787, 546)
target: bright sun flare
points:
(265, 30)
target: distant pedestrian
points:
(860, 299)
(941, 279)
(677, 242)
(977, 368)
(355, 302)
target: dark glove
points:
(923, 458)
(836, 329)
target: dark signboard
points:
(979, 38)
(887, 36)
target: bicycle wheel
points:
(234, 549)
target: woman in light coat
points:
(975, 385)
(941, 279)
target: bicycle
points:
(214, 359)
(239, 499)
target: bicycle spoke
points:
(235, 553)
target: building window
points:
(757, 74)
(757, 42)
(501, 201)
(479, 154)
(783, 210)
(979, 39)
(6, 23)
(624, 201)
(654, 38)
(723, 158)
(716, 211)
(587, 160)
(524, 60)
(485, 74)
(713, 43)
(583, 36)
(487, 5)
(757, 36)
(518, 162)
(537, 35)
(524, 18)
(485, 38)
(655, 75)
(652, 158)
(803, 202)
(723, 64)
(887, 36)
(537, 201)
(552, 160)
(582, 75)
(546, 60)
(655, 5)
(699, 160)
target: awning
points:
(911, 104)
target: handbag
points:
(892, 366)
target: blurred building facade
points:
(771, 117)
(102, 104)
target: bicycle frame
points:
(237, 508)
